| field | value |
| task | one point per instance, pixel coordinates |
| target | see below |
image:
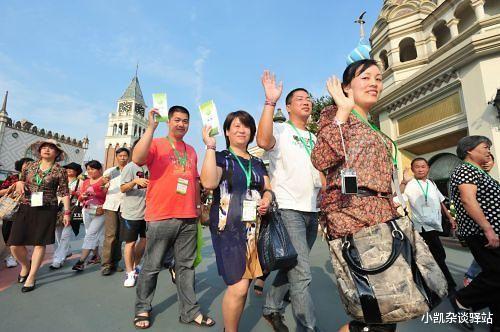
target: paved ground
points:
(87, 301)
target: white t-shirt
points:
(294, 179)
(425, 216)
(114, 197)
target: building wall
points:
(14, 148)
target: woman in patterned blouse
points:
(41, 182)
(369, 154)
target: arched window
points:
(442, 33)
(125, 129)
(140, 132)
(441, 167)
(120, 129)
(115, 128)
(492, 7)
(407, 50)
(135, 130)
(384, 59)
(465, 15)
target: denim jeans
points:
(161, 236)
(302, 228)
(473, 270)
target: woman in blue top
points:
(239, 181)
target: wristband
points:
(67, 212)
(270, 103)
(211, 147)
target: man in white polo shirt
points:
(296, 184)
(426, 203)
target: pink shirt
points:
(96, 191)
(163, 201)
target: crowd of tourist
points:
(342, 180)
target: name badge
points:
(37, 199)
(249, 210)
(427, 211)
(182, 186)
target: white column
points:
(478, 6)
(453, 26)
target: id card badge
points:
(427, 211)
(349, 181)
(37, 199)
(182, 186)
(249, 210)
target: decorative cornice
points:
(27, 127)
(408, 97)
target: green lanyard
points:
(181, 159)
(248, 174)
(381, 134)
(38, 178)
(479, 169)
(426, 192)
(309, 146)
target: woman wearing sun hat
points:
(41, 183)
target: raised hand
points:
(344, 104)
(152, 123)
(272, 90)
(207, 139)
(407, 177)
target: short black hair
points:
(245, 118)
(419, 159)
(289, 96)
(120, 150)
(18, 165)
(468, 143)
(177, 108)
(135, 143)
(355, 69)
(95, 164)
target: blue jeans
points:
(473, 270)
(302, 228)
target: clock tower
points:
(127, 124)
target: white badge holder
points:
(182, 186)
(37, 199)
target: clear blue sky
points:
(65, 63)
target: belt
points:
(363, 192)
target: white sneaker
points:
(130, 279)
(10, 262)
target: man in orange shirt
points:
(172, 206)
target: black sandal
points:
(204, 322)
(22, 279)
(258, 290)
(139, 318)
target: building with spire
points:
(441, 72)
(16, 137)
(127, 123)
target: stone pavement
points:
(69, 301)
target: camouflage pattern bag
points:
(386, 274)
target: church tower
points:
(127, 124)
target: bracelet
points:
(211, 147)
(270, 103)
(67, 212)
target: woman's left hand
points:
(66, 220)
(263, 206)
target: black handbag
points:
(76, 218)
(274, 247)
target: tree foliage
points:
(318, 105)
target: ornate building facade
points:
(127, 123)
(16, 138)
(441, 71)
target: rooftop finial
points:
(4, 105)
(361, 23)
(136, 68)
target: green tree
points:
(318, 105)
